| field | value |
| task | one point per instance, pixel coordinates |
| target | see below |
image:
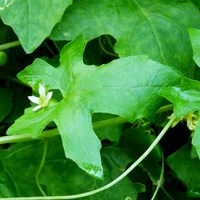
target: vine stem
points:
(9, 45)
(161, 179)
(40, 168)
(119, 178)
(54, 132)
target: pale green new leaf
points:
(126, 87)
(33, 21)
(155, 28)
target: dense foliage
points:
(88, 90)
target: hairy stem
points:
(135, 164)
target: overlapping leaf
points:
(33, 21)
(186, 97)
(156, 28)
(120, 87)
(186, 168)
(59, 176)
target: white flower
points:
(42, 100)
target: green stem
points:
(9, 45)
(40, 168)
(54, 132)
(165, 108)
(161, 179)
(135, 164)
(109, 122)
(107, 52)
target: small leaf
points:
(33, 21)
(186, 97)
(120, 88)
(3, 58)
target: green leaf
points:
(120, 87)
(155, 28)
(195, 40)
(33, 21)
(186, 168)
(186, 97)
(111, 132)
(196, 138)
(60, 176)
(3, 58)
(19, 165)
(6, 103)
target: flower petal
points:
(49, 95)
(34, 99)
(37, 108)
(42, 91)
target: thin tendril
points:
(107, 52)
(40, 168)
(47, 46)
(161, 179)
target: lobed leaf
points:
(155, 28)
(120, 87)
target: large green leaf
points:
(120, 87)
(33, 21)
(60, 176)
(156, 28)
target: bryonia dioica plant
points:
(99, 99)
